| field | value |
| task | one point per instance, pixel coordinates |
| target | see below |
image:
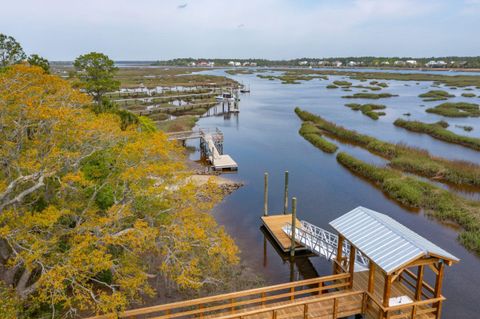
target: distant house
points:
(337, 64)
(399, 63)
(436, 64)
(352, 63)
(246, 63)
(385, 63)
(411, 63)
(253, 63)
(232, 63)
(303, 63)
(237, 64)
(192, 64)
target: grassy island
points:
(369, 110)
(373, 96)
(408, 159)
(459, 109)
(412, 192)
(313, 134)
(438, 130)
(436, 95)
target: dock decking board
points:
(274, 224)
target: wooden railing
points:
(248, 300)
(412, 310)
(407, 277)
(304, 307)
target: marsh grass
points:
(313, 134)
(412, 192)
(458, 109)
(374, 96)
(408, 159)
(438, 130)
(179, 124)
(435, 95)
(368, 109)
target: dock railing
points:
(245, 301)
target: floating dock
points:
(274, 225)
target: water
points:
(264, 137)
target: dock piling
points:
(294, 226)
(285, 194)
(265, 196)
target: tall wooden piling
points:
(294, 226)
(265, 196)
(285, 194)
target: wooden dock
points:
(274, 224)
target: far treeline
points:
(365, 61)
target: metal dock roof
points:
(385, 241)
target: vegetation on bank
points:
(342, 83)
(458, 109)
(374, 96)
(369, 110)
(312, 134)
(179, 124)
(438, 130)
(291, 77)
(448, 80)
(468, 94)
(436, 95)
(408, 159)
(92, 205)
(412, 192)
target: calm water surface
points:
(264, 137)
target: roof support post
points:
(438, 288)
(351, 264)
(371, 278)
(339, 254)
(418, 288)
(386, 290)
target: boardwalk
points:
(387, 290)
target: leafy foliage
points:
(96, 71)
(11, 52)
(37, 60)
(90, 211)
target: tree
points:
(37, 60)
(11, 51)
(96, 71)
(88, 211)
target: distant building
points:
(192, 64)
(206, 64)
(237, 64)
(232, 63)
(253, 63)
(337, 64)
(246, 63)
(385, 63)
(352, 63)
(436, 64)
(412, 63)
(303, 63)
(399, 63)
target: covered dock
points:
(394, 285)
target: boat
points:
(225, 97)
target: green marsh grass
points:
(438, 130)
(414, 193)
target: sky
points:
(271, 29)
